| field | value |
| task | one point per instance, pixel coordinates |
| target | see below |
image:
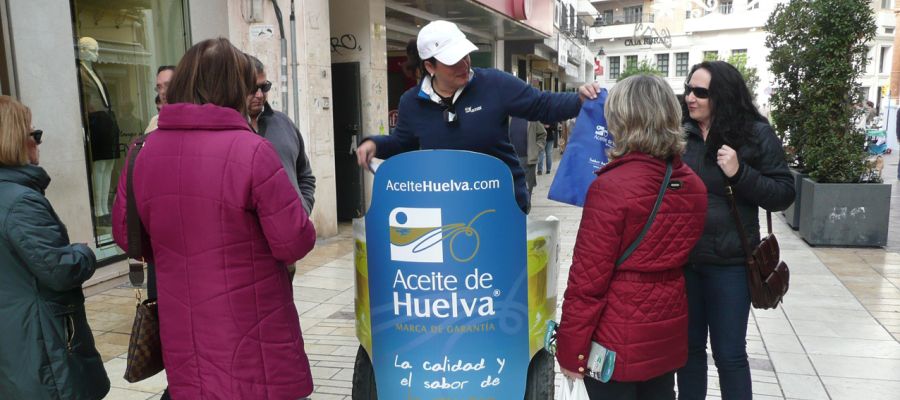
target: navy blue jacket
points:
(482, 110)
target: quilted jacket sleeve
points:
(596, 249)
(41, 241)
(284, 222)
(769, 185)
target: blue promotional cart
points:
(454, 285)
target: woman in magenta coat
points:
(638, 309)
(223, 220)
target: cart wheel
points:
(541, 377)
(363, 377)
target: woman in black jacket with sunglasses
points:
(728, 142)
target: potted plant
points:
(818, 52)
(786, 41)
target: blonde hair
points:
(15, 124)
(643, 115)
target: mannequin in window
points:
(103, 131)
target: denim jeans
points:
(545, 153)
(718, 304)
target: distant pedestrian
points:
(546, 153)
(728, 142)
(47, 350)
(637, 308)
(527, 138)
(222, 220)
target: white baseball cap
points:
(444, 41)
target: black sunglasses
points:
(36, 134)
(699, 92)
(265, 87)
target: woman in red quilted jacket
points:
(639, 308)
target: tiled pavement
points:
(836, 337)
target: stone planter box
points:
(792, 213)
(844, 214)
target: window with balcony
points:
(607, 17)
(613, 67)
(662, 64)
(558, 10)
(633, 14)
(726, 6)
(570, 25)
(681, 64)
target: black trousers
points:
(660, 388)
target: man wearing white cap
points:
(459, 107)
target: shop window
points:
(681, 64)
(120, 45)
(662, 64)
(613, 67)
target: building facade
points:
(87, 70)
(673, 35)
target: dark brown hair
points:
(414, 67)
(213, 71)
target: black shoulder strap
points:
(133, 220)
(745, 242)
(659, 200)
(134, 226)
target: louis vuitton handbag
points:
(768, 276)
(144, 347)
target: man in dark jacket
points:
(285, 137)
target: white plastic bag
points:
(573, 390)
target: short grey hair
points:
(644, 116)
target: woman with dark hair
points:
(456, 106)
(222, 221)
(728, 142)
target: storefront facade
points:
(87, 70)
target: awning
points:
(481, 24)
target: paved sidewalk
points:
(836, 337)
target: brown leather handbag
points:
(144, 347)
(767, 275)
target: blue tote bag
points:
(585, 153)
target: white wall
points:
(211, 18)
(49, 86)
